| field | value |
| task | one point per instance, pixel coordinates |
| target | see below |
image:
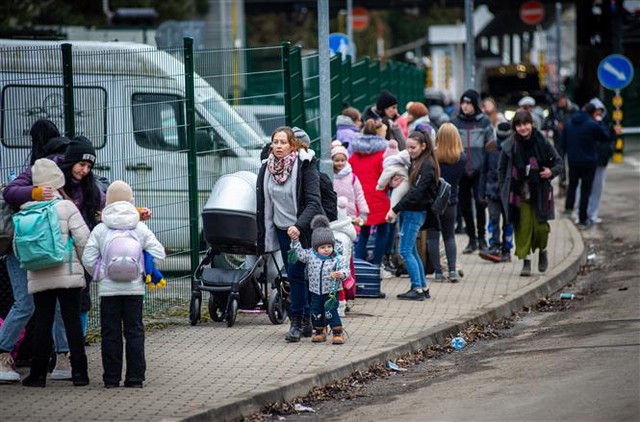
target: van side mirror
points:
(204, 141)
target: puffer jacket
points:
(477, 137)
(346, 130)
(120, 216)
(347, 184)
(366, 161)
(63, 276)
(319, 268)
(345, 234)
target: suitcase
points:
(367, 279)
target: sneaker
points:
(133, 384)
(439, 277)
(426, 293)
(490, 255)
(483, 245)
(453, 276)
(62, 371)
(349, 307)
(384, 273)
(505, 256)
(7, 374)
(597, 220)
(111, 384)
(584, 224)
(412, 295)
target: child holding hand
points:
(326, 272)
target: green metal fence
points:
(171, 122)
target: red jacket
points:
(367, 165)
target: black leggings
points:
(469, 191)
(447, 223)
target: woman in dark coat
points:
(528, 163)
(288, 197)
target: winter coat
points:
(319, 268)
(477, 137)
(308, 202)
(424, 121)
(452, 173)
(347, 184)
(505, 164)
(120, 216)
(346, 130)
(489, 187)
(366, 161)
(345, 234)
(20, 189)
(395, 165)
(422, 192)
(581, 138)
(63, 276)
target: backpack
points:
(441, 200)
(6, 225)
(121, 256)
(38, 238)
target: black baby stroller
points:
(229, 221)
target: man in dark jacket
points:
(580, 142)
(560, 113)
(477, 137)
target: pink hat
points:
(337, 148)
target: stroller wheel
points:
(216, 310)
(194, 310)
(232, 312)
(275, 307)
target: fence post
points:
(192, 162)
(67, 78)
(335, 66)
(286, 82)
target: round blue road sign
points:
(615, 72)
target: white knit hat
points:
(47, 173)
(119, 191)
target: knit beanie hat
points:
(301, 136)
(79, 149)
(385, 99)
(417, 110)
(322, 234)
(119, 191)
(338, 148)
(47, 173)
(527, 101)
(473, 97)
(503, 131)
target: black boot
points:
(471, 247)
(37, 375)
(307, 328)
(79, 374)
(295, 330)
(543, 262)
(526, 268)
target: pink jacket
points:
(346, 184)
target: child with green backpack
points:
(49, 240)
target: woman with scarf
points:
(288, 197)
(526, 167)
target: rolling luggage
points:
(367, 279)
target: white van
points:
(129, 101)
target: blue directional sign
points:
(339, 44)
(615, 72)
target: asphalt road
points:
(580, 362)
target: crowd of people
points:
(388, 169)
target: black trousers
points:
(468, 191)
(583, 174)
(118, 315)
(45, 303)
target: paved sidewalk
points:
(212, 372)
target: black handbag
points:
(441, 200)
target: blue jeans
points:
(382, 234)
(22, 309)
(60, 344)
(410, 223)
(122, 315)
(318, 312)
(298, 288)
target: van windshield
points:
(233, 123)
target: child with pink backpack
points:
(114, 254)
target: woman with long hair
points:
(288, 197)
(528, 163)
(424, 174)
(452, 160)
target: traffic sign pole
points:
(617, 118)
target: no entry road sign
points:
(532, 12)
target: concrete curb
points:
(252, 402)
